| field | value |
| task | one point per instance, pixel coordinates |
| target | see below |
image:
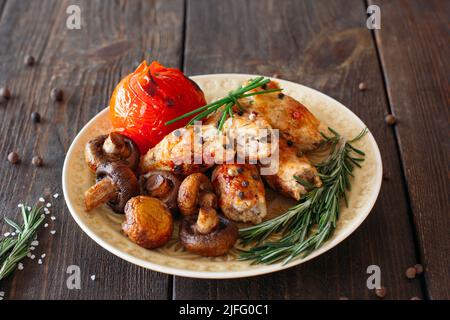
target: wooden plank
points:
(325, 45)
(86, 64)
(414, 51)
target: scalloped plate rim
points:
(264, 269)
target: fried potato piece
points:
(148, 222)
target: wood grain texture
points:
(414, 51)
(86, 64)
(324, 45)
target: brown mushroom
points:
(195, 191)
(208, 234)
(162, 185)
(148, 222)
(111, 148)
(116, 184)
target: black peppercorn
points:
(255, 176)
(35, 117)
(244, 183)
(241, 195)
(362, 86)
(390, 119)
(177, 133)
(290, 143)
(281, 96)
(240, 112)
(57, 94)
(240, 169)
(29, 60)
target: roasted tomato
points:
(145, 100)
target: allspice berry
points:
(37, 161)
(5, 94)
(35, 117)
(13, 157)
(381, 292)
(390, 119)
(56, 94)
(411, 273)
(362, 86)
(419, 268)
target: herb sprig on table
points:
(307, 225)
(227, 102)
(14, 249)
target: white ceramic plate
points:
(103, 226)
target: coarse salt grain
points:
(35, 243)
(46, 225)
(20, 205)
(29, 254)
(6, 234)
(40, 261)
(32, 256)
(2, 293)
(48, 205)
(20, 266)
(43, 255)
(93, 277)
(32, 248)
(13, 234)
(56, 195)
(53, 231)
(41, 199)
(53, 217)
(29, 208)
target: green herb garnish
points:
(228, 102)
(14, 249)
(307, 225)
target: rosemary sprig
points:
(14, 249)
(307, 225)
(227, 102)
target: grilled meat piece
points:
(292, 163)
(295, 122)
(241, 192)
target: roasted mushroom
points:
(162, 185)
(196, 191)
(111, 148)
(148, 222)
(208, 234)
(116, 184)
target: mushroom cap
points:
(95, 155)
(190, 190)
(148, 223)
(123, 178)
(151, 183)
(216, 243)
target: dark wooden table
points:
(322, 44)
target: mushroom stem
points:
(115, 144)
(101, 192)
(157, 186)
(207, 200)
(207, 220)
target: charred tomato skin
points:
(146, 99)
